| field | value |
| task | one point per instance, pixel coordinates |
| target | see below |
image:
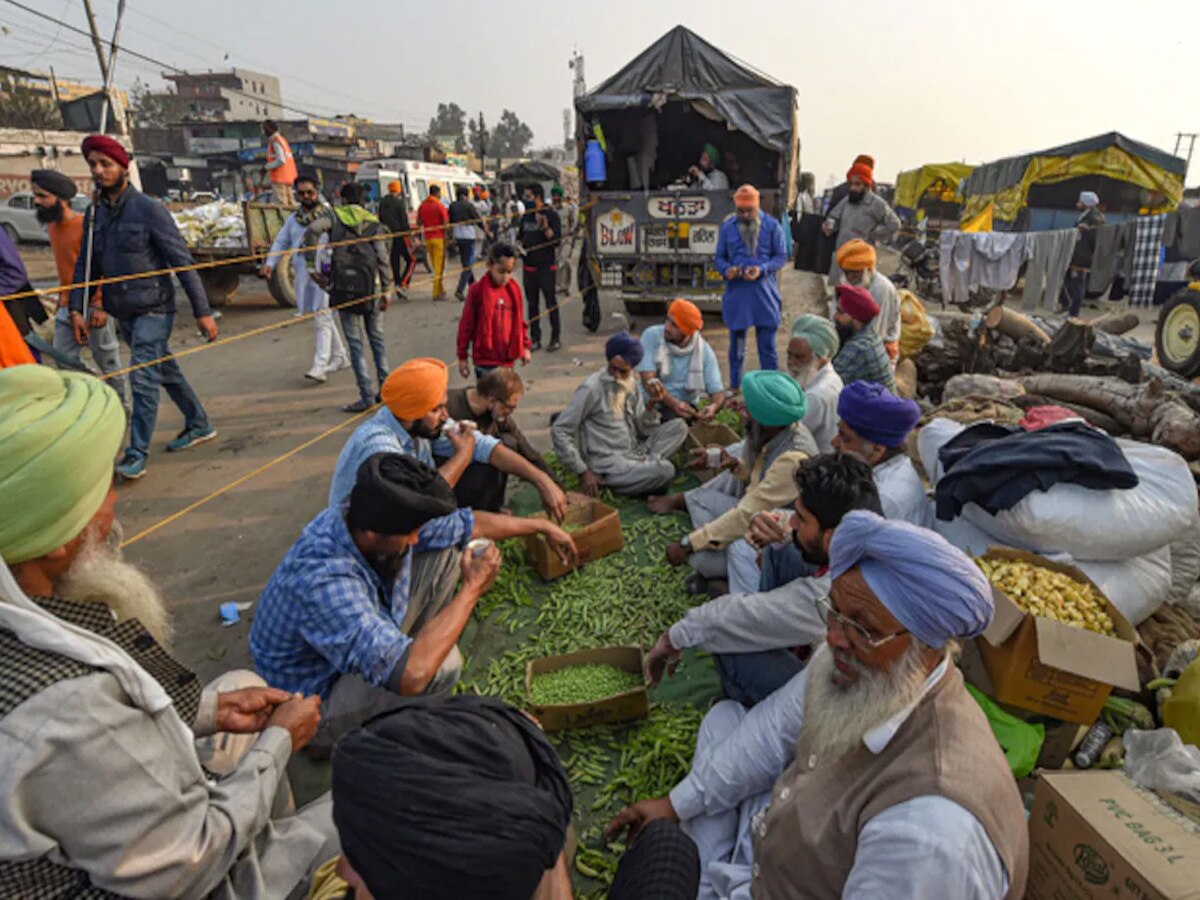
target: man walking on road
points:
(52, 193)
(433, 218)
(330, 355)
(462, 220)
(281, 164)
(540, 235)
(393, 213)
(353, 267)
(134, 235)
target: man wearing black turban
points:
(448, 798)
(363, 608)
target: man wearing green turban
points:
(708, 176)
(92, 701)
(814, 343)
(763, 478)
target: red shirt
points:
(492, 328)
(432, 216)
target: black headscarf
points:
(447, 798)
(54, 182)
(396, 494)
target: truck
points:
(650, 229)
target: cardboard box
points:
(633, 704)
(599, 535)
(1051, 668)
(705, 434)
(1098, 835)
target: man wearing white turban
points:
(121, 775)
(872, 773)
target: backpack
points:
(353, 267)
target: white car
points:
(18, 217)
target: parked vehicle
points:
(416, 178)
(18, 217)
(263, 222)
(919, 268)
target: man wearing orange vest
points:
(281, 165)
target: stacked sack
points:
(1140, 545)
(216, 224)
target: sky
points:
(907, 81)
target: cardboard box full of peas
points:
(587, 687)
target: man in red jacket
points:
(492, 328)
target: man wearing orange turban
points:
(750, 253)
(413, 422)
(856, 258)
(679, 367)
(861, 213)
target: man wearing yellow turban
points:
(122, 772)
(857, 261)
(414, 422)
(679, 367)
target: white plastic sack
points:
(931, 438)
(1185, 561)
(1136, 586)
(1103, 525)
(1161, 761)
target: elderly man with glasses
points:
(872, 773)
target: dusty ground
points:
(257, 397)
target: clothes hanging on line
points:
(1182, 231)
(1114, 244)
(1050, 255)
(987, 259)
(1147, 256)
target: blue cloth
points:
(768, 357)
(876, 414)
(383, 433)
(759, 303)
(352, 325)
(148, 335)
(864, 358)
(325, 612)
(932, 588)
(626, 346)
(675, 379)
(137, 235)
(773, 398)
(466, 257)
(752, 677)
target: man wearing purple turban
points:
(872, 773)
(609, 436)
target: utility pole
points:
(1191, 139)
(107, 65)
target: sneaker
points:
(356, 407)
(317, 374)
(460, 296)
(695, 584)
(131, 467)
(190, 437)
(555, 344)
(402, 294)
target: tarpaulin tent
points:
(946, 178)
(529, 170)
(1130, 177)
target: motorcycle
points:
(919, 265)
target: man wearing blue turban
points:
(874, 426)
(609, 436)
(872, 773)
(764, 478)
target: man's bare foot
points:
(665, 504)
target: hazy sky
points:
(908, 82)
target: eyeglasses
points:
(857, 632)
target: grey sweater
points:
(588, 435)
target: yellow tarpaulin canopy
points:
(912, 185)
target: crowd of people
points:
(846, 756)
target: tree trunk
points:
(1013, 324)
(1070, 346)
(1144, 409)
(1115, 323)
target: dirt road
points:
(263, 407)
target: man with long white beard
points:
(872, 773)
(123, 775)
(874, 425)
(609, 437)
(764, 478)
(813, 345)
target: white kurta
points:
(929, 846)
(822, 417)
(902, 493)
(309, 297)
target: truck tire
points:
(282, 285)
(220, 284)
(1177, 336)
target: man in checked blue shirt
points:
(363, 608)
(411, 422)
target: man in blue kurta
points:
(750, 253)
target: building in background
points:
(229, 96)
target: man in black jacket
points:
(134, 234)
(393, 213)
(540, 233)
